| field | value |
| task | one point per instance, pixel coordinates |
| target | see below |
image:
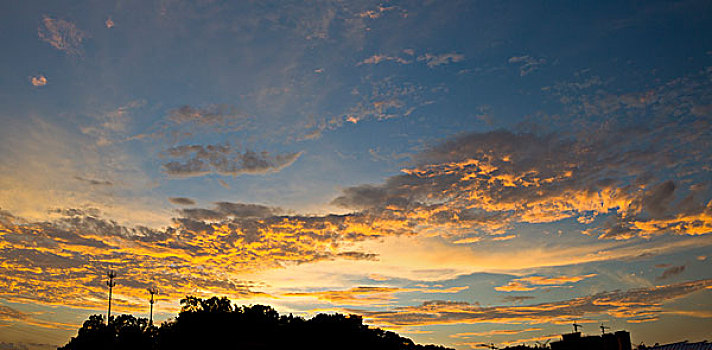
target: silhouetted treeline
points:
(216, 324)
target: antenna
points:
(544, 344)
(603, 329)
(576, 327)
(111, 274)
(153, 290)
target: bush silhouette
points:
(215, 323)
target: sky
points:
(460, 172)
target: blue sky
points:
(440, 168)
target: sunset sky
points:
(458, 172)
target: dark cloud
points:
(655, 201)
(634, 304)
(357, 256)
(225, 210)
(198, 160)
(671, 271)
(94, 181)
(12, 346)
(181, 201)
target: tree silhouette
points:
(216, 323)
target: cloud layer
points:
(643, 304)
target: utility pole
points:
(603, 329)
(152, 290)
(111, 274)
(576, 327)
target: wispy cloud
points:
(433, 60)
(367, 295)
(62, 35)
(527, 64)
(535, 282)
(376, 59)
(493, 332)
(671, 271)
(210, 115)
(380, 11)
(634, 304)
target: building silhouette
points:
(703, 345)
(619, 340)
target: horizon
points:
(456, 172)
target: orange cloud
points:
(39, 80)
(633, 305)
(493, 332)
(533, 282)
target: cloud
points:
(672, 271)
(201, 160)
(516, 299)
(634, 304)
(495, 179)
(225, 210)
(12, 346)
(8, 313)
(94, 181)
(433, 60)
(376, 59)
(110, 126)
(181, 201)
(62, 262)
(27, 346)
(384, 99)
(527, 64)
(367, 295)
(493, 332)
(535, 282)
(354, 296)
(380, 10)
(62, 35)
(38, 80)
(210, 115)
